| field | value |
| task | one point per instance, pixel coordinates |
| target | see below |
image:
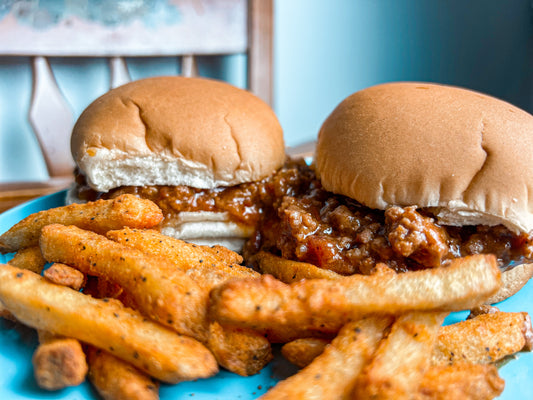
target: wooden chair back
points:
(198, 28)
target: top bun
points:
(467, 154)
(177, 131)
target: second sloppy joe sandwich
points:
(413, 175)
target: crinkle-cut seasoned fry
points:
(65, 275)
(484, 339)
(322, 304)
(240, 351)
(301, 352)
(289, 271)
(462, 381)
(243, 352)
(58, 362)
(158, 288)
(115, 379)
(29, 258)
(98, 216)
(156, 350)
(332, 374)
(399, 363)
(182, 254)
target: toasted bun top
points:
(467, 154)
(177, 131)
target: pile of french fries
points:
(118, 303)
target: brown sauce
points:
(337, 233)
(244, 203)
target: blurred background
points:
(323, 50)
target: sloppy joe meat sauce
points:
(244, 203)
(297, 219)
(337, 233)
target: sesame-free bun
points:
(466, 154)
(177, 131)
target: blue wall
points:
(324, 50)
(324, 53)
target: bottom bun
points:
(204, 224)
(512, 281)
(200, 227)
(207, 228)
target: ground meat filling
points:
(244, 203)
(337, 233)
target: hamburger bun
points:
(465, 155)
(177, 131)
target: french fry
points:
(58, 362)
(160, 290)
(484, 339)
(115, 379)
(462, 381)
(223, 253)
(324, 305)
(332, 374)
(289, 271)
(183, 255)
(243, 352)
(99, 216)
(108, 325)
(401, 359)
(240, 351)
(301, 352)
(154, 242)
(29, 258)
(64, 275)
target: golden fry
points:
(462, 381)
(64, 275)
(98, 216)
(160, 290)
(58, 362)
(399, 363)
(324, 305)
(301, 352)
(109, 325)
(185, 256)
(332, 374)
(243, 352)
(484, 339)
(240, 351)
(115, 379)
(29, 258)
(289, 271)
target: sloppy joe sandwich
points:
(413, 175)
(200, 149)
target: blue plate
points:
(17, 344)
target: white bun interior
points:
(109, 169)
